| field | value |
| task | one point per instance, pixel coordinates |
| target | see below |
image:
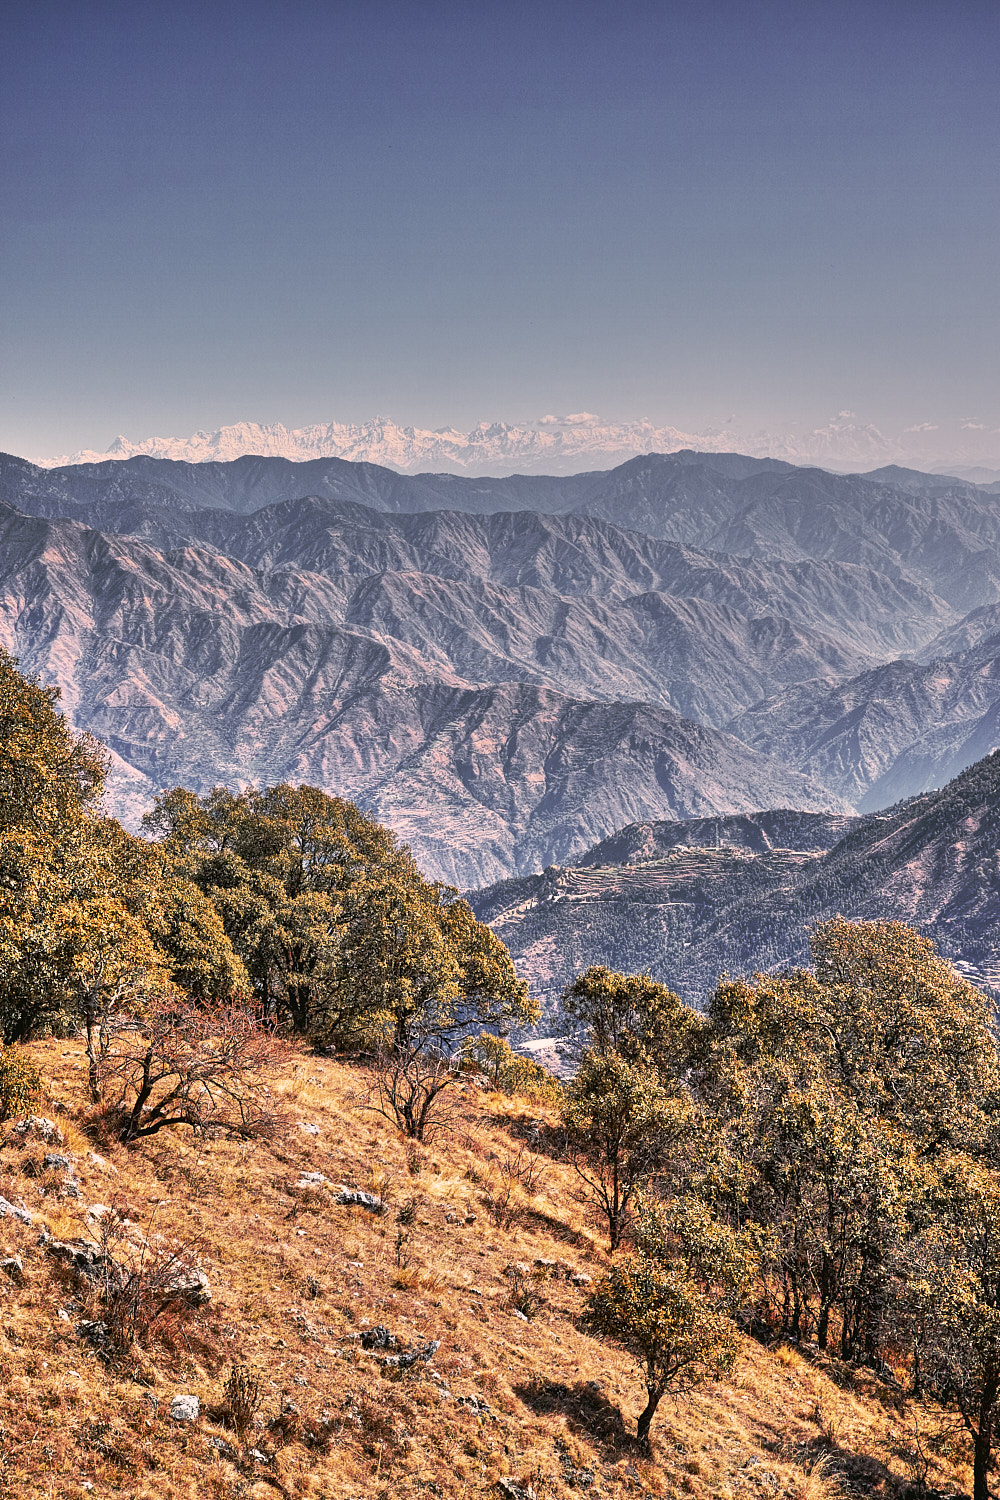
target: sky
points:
(448, 212)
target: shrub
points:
(524, 1297)
(20, 1083)
(139, 1284)
(509, 1072)
(200, 1066)
(511, 1180)
(244, 1392)
(407, 1089)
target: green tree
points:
(623, 1130)
(636, 1017)
(49, 778)
(340, 935)
(835, 1095)
(90, 919)
(890, 1023)
(956, 1306)
(677, 1334)
(20, 1083)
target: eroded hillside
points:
(686, 901)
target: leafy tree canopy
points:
(636, 1017)
(887, 1021)
(339, 932)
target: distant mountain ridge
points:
(695, 907)
(403, 638)
(940, 532)
(471, 715)
(551, 445)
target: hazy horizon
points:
(697, 215)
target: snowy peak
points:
(553, 445)
(549, 445)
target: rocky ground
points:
(432, 1348)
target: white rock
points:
(38, 1128)
(185, 1408)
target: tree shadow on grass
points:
(549, 1224)
(852, 1470)
(858, 1473)
(587, 1411)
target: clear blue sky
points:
(444, 212)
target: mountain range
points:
(689, 901)
(512, 669)
(475, 716)
(550, 445)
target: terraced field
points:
(636, 917)
(656, 880)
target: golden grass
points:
(295, 1280)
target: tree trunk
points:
(642, 1429)
(92, 1071)
(298, 1004)
(984, 1441)
(823, 1327)
(980, 1489)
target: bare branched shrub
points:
(527, 1168)
(408, 1086)
(139, 1283)
(500, 1199)
(244, 1392)
(510, 1181)
(402, 1248)
(407, 1212)
(183, 1064)
(524, 1297)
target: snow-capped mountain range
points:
(551, 445)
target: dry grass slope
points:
(297, 1278)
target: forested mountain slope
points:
(692, 909)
